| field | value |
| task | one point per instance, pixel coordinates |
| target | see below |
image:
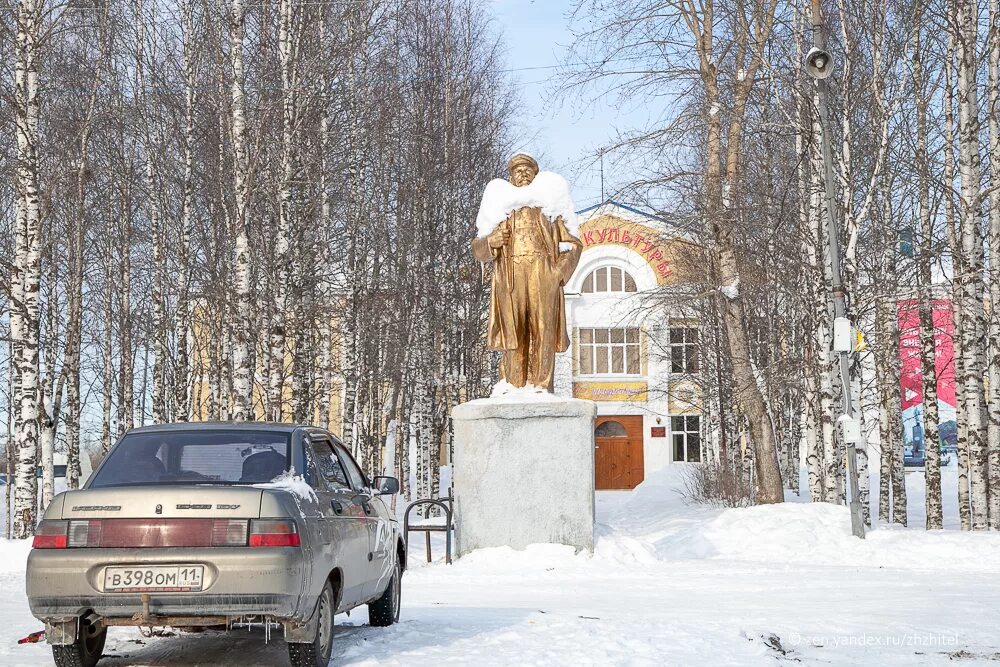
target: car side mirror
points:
(387, 486)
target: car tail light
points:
(86, 533)
(229, 533)
(122, 533)
(50, 535)
(273, 533)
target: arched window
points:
(609, 279)
(610, 429)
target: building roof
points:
(623, 211)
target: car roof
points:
(219, 426)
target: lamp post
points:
(819, 64)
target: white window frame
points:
(685, 435)
(688, 347)
(591, 281)
(596, 349)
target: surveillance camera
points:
(819, 63)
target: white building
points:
(639, 364)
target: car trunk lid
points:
(163, 502)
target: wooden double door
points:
(618, 461)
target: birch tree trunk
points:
(77, 241)
(957, 269)
(932, 455)
(887, 442)
(182, 316)
(993, 115)
(151, 151)
(242, 363)
(107, 343)
(288, 37)
(822, 318)
(126, 375)
(808, 227)
(27, 263)
(74, 329)
(973, 318)
(49, 401)
(722, 183)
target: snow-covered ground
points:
(668, 584)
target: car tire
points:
(317, 652)
(384, 611)
(84, 652)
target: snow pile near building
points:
(549, 191)
(654, 523)
(820, 533)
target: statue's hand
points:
(499, 237)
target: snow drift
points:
(654, 522)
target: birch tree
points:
(242, 362)
(973, 317)
(27, 263)
(932, 456)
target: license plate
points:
(153, 578)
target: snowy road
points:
(669, 585)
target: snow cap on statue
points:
(522, 158)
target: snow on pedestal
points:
(524, 471)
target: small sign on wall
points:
(610, 391)
(658, 432)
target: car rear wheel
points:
(385, 611)
(85, 651)
(317, 652)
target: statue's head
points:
(523, 169)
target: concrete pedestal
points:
(524, 473)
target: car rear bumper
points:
(237, 582)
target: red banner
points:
(911, 377)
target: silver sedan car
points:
(217, 525)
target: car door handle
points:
(337, 506)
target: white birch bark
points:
(887, 441)
(77, 240)
(48, 401)
(288, 55)
(151, 149)
(182, 316)
(107, 343)
(864, 478)
(820, 227)
(242, 368)
(892, 371)
(973, 317)
(48, 417)
(27, 262)
(11, 428)
(932, 458)
(993, 116)
(953, 235)
(808, 226)
(126, 375)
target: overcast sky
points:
(536, 33)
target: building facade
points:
(639, 363)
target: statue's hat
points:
(522, 158)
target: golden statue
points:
(534, 254)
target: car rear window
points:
(196, 457)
